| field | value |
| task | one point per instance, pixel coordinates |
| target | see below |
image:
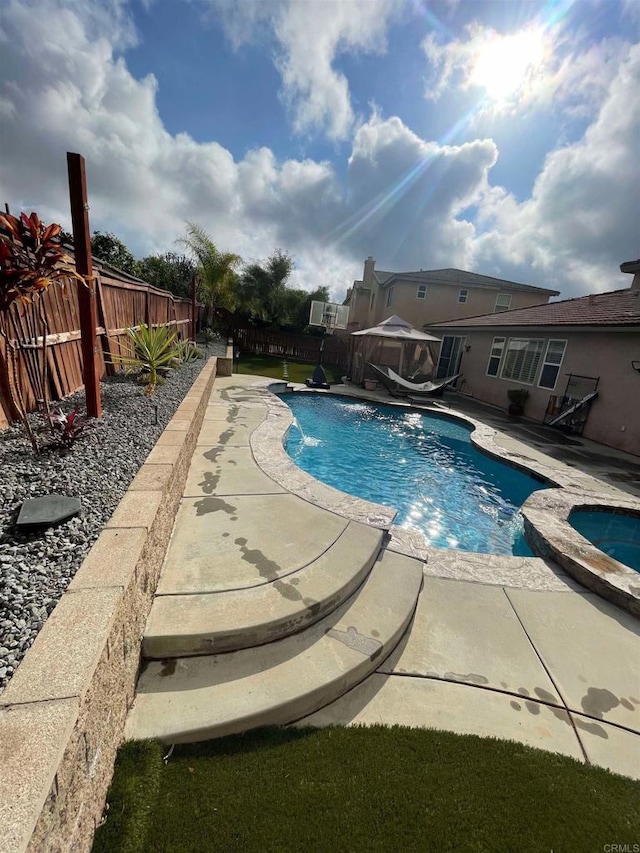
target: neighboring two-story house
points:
(433, 296)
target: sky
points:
(497, 136)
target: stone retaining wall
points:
(63, 712)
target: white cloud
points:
(74, 94)
(631, 10)
(244, 21)
(545, 67)
(405, 195)
(310, 35)
(581, 221)
(402, 198)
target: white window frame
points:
(389, 297)
(546, 363)
(498, 341)
(497, 307)
(465, 291)
(505, 359)
(423, 288)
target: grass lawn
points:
(362, 790)
(266, 365)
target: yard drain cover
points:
(49, 509)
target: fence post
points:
(87, 293)
(193, 308)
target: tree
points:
(297, 305)
(263, 288)
(169, 272)
(216, 271)
(108, 248)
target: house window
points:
(503, 302)
(371, 301)
(463, 294)
(522, 359)
(551, 365)
(422, 291)
(389, 297)
(497, 348)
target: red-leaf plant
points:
(31, 260)
(69, 428)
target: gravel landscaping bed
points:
(36, 568)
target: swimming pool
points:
(422, 464)
(616, 534)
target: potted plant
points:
(517, 398)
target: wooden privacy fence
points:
(122, 302)
(295, 346)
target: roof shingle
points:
(616, 308)
(458, 277)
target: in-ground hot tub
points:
(595, 538)
(614, 533)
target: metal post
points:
(86, 294)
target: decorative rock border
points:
(62, 714)
(549, 532)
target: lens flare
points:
(505, 63)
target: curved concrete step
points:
(240, 541)
(189, 699)
(212, 623)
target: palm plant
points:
(216, 269)
(153, 351)
(31, 260)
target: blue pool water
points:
(423, 465)
(616, 535)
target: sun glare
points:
(505, 63)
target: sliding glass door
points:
(451, 350)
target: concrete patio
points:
(283, 600)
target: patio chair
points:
(399, 387)
(571, 410)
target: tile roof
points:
(616, 308)
(458, 277)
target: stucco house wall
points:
(614, 418)
(441, 303)
(359, 307)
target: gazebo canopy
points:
(393, 343)
(397, 329)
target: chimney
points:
(629, 267)
(367, 276)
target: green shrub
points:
(188, 351)
(154, 351)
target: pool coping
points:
(545, 512)
(548, 529)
